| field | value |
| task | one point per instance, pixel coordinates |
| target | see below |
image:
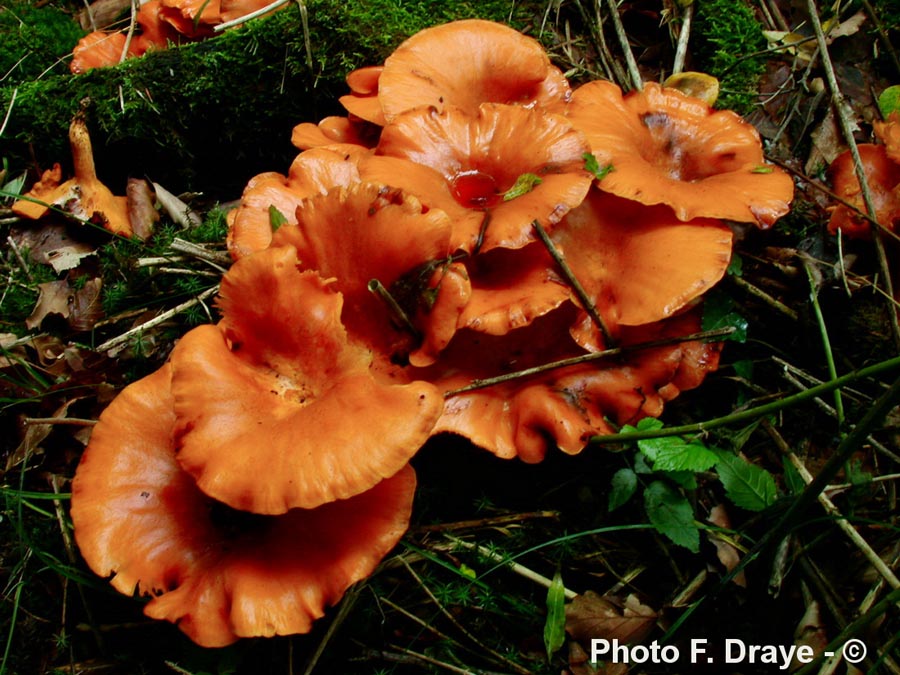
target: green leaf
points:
(467, 571)
(889, 100)
(624, 484)
(671, 514)
(720, 311)
(673, 453)
(683, 479)
(524, 184)
(276, 218)
(736, 266)
(555, 625)
(762, 169)
(792, 479)
(640, 464)
(749, 486)
(591, 164)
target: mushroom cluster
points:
(474, 249)
(156, 24)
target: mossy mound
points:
(207, 116)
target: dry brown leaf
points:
(810, 632)
(54, 299)
(141, 208)
(728, 555)
(591, 617)
(80, 308)
(86, 308)
(35, 434)
(50, 244)
(580, 664)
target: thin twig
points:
(343, 611)
(9, 109)
(868, 552)
(18, 253)
(760, 294)
(683, 37)
(377, 288)
(155, 321)
(74, 421)
(247, 17)
(197, 251)
(826, 342)
(519, 569)
(586, 303)
(636, 80)
(479, 523)
(135, 5)
(588, 358)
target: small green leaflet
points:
(591, 164)
(749, 486)
(673, 453)
(555, 625)
(889, 100)
(671, 514)
(624, 484)
(524, 184)
(762, 169)
(276, 218)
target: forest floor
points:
(479, 582)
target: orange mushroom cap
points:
(83, 196)
(483, 158)
(279, 385)
(883, 178)
(97, 50)
(490, 63)
(369, 232)
(666, 148)
(334, 131)
(638, 264)
(511, 288)
(566, 406)
(218, 574)
(888, 132)
(312, 172)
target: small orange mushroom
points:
(489, 168)
(888, 132)
(278, 384)
(492, 63)
(218, 574)
(659, 146)
(883, 178)
(83, 196)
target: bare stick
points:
(572, 280)
(252, 15)
(155, 321)
(587, 358)
(378, 289)
(633, 70)
(73, 421)
(683, 37)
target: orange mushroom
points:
(97, 50)
(638, 264)
(888, 132)
(334, 131)
(368, 236)
(278, 384)
(83, 196)
(523, 417)
(491, 63)
(883, 178)
(271, 199)
(659, 146)
(489, 168)
(218, 574)
(362, 101)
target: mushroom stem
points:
(82, 151)
(572, 280)
(376, 287)
(587, 358)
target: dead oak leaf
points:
(591, 617)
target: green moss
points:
(726, 33)
(34, 40)
(209, 115)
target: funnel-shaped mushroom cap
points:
(363, 101)
(883, 178)
(639, 264)
(491, 63)
(511, 288)
(217, 573)
(666, 148)
(97, 50)
(488, 165)
(83, 196)
(278, 387)
(365, 233)
(271, 199)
